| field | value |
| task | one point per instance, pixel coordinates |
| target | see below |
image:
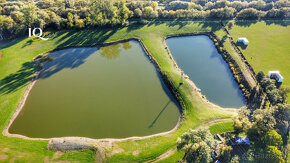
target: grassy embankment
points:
(17, 71)
(268, 47)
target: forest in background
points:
(18, 15)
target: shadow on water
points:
(18, 79)
(155, 120)
(63, 59)
(71, 60)
(74, 57)
(171, 99)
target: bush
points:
(250, 13)
(272, 138)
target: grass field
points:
(17, 70)
(269, 46)
(222, 127)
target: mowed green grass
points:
(17, 70)
(222, 127)
(269, 46)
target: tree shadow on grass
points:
(156, 22)
(178, 23)
(224, 38)
(247, 23)
(7, 43)
(283, 23)
(215, 26)
(27, 43)
(86, 37)
(241, 45)
(134, 27)
(18, 79)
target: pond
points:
(108, 92)
(200, 60)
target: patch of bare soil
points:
(115, 151)
(135, 153)
(56, 155)
(3, 157)
(5, 149)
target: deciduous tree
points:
(197, 145)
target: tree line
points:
(268, 126)
(17, 15)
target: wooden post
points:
(181, 82)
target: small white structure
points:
(276, 75)
(244, 40)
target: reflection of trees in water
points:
(127, 45)
(113, 51)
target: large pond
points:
(200, 60)
(108, 92)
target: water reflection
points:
(113, 51)
(127, 45)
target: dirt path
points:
(168, 153)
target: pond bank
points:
(164, 79)
(234, 67)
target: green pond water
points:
(200, 60)
(107, 92)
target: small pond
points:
(200, 60)
(107, 92)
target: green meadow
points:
(269, 46)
